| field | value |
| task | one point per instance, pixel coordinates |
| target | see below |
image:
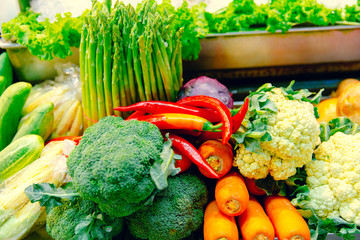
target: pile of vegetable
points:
(174, 161)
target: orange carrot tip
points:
(288, 223)
(218, 226)
(254, 224)
(231, 194)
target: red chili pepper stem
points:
(237, 120)
(208, 126)
(188, 150)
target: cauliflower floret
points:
(323, 200)
(336, 169)
(294, 133)
(252, 165)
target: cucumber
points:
(39, 121)
(19, 154)
(11, 104)
(6, 71)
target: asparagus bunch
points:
(128, 55)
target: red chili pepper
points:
(179, 121)
(239, 117)
(186, 132)
(135, 114)
(215, 104)
(76, 139)
(237, 120)
(170, 107)
(188, 150)
(184, 163)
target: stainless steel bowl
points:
(30, 68)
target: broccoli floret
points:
(111, 165)
(176, 212)
(62, 221)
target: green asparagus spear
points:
(115, 73)
(165, 74)
(105, 30)
(82, 62)
(159, 80)
(92, 69)
(137, 65)
(145, 68)
(99, 77)
(153, 80)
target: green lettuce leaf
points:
(44, 39)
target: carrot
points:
(254, 224)
(231, 194)
(219, 156)
(288, 223)
(252, 188)
(218, 226)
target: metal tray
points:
(260, 49)
(30, 68)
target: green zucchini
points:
(19, 154)
(12, 102)
(40, 121)
(6, 72)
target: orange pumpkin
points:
(327, 110)
(344, 84)
(348, 103)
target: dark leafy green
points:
(194, 24)
(49, 196)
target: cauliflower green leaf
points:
(340, 124)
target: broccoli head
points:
(85, 217)
(176, 212)
(111, 165)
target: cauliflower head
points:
(334, 178)
(294, 134)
